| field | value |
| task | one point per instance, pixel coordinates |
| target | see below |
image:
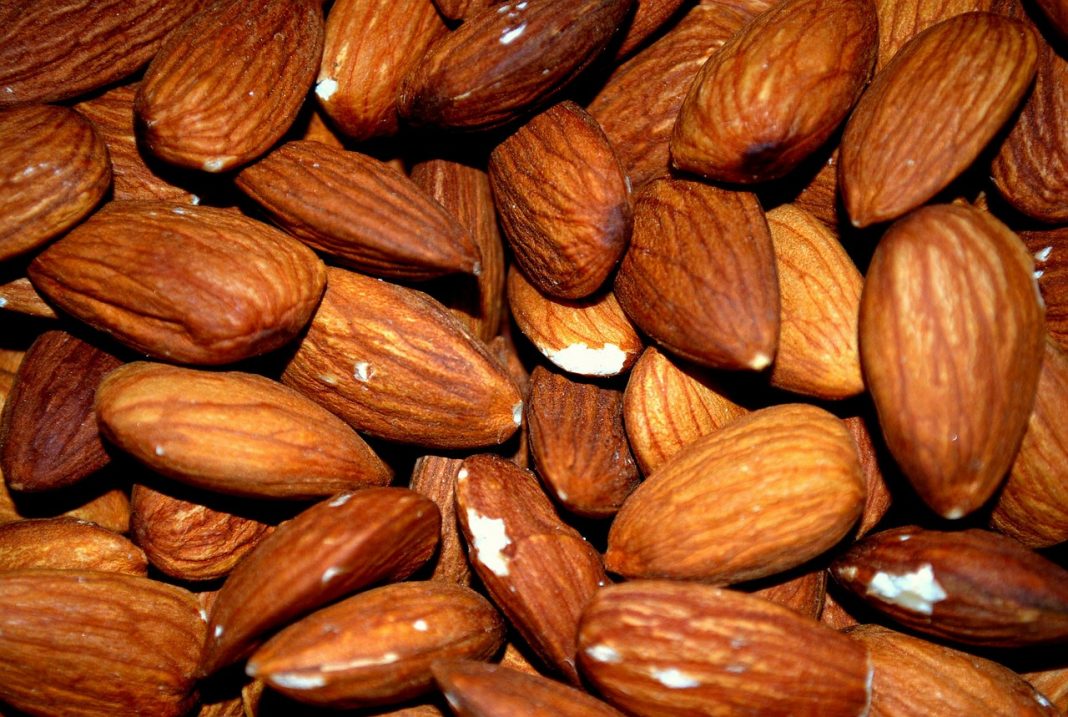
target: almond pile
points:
(534, 358)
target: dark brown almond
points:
(360, 211)
(183, 283)
(902, 20)
(819, 196)
(1050, 250)
(971, 586)
(370, 46)
(82, 642)
(331, 549)
(766, 493)
(229, 82)
(377, 647)
(930, 112)
(505, 61)
(435, 478)
(49, 436)
(649, 16)
(699, 276)
(1057, 14)
(951, 341)
(537, 569)
(20, 297)
(591, 472)
(675, 648)
(393, 362)
(776, 91)
(563, 200)
(459, 9)
(68, 544)
(54, 50)
(53, 170)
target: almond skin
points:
(19, 296)
(776, 90)
(435, 478)
(1057, 13)
(129, 644)
(499, 65)
(764, 494)
(229, 82)
(951, 342)
(971, 586)
(902, 20)
(435, 385)
(183, 283)
(649, 16)
(699, 276)
(68, 544)
(930, 112)
(563, 201)
(99, 502)
(669, 648)
(53, 170)
(377, 647)
(1050, 251)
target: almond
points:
(563, 201)
(668, 648)
(803, 593)
(19, 296)
(229, 82)
(1050, 251)
(902, 20)
(971, 586)
(649, 16)
(699, 276)
(68, 544)
(434, 385)
(879, 498)
(53, 171)
(951, 342)
(435, 478)
(766, 493)
(1052, 683)
(1057, 14)
(460, 9)
(220, 288)
(776, 90)
(930, 111)
(99, 502)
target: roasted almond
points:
(435, 478)
(19, 296)
(879, 498)
(1050, 250)
(902, 20)
(68, 544)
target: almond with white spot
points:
(537, 569)
(329, 550)
(972, 586)
(676, 648)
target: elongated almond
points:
(68, 544)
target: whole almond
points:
(53, 170)
(764, 494)
(229, 82)
(183, 283)
(776, 90)
(563, 201)
(699, 276)
(951, 342)
(68, 544)
(930, 111)
(434, 385)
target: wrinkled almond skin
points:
(930, 112)
(331, 549)
(1050, 250)
(902, 20)
(879, 498)
(764, 494)
(803, 594)
(93, 644)
(699, 276)
(370, 45)
(434, 384)
(53, 170)
(776, 90)
(229, 82)
(500, 65)
(19, 296)
(68, 544)
(435, 478)
(563, 201)
(377, 647)
(971, 586)
(916, 678)
(183, 283)
(951, 342)
(360, 211)
(55, 50)
(676, 648)
(49, 437)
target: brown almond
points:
(699, 276)
(460, 9)
(331, 549)
(649, 16)
(1050, 251)
(229, 82)
(819, 197)
(68, 544)
(801, 593)
(951, 342)
(219, 288)
(675, 648)
(563, 201)
(902, 20)
(776, 91)
(433, 385)
(930, 111)
(1057, 14)
(1052, 684)
(377, 647)
(879, 498)
(100, 502)
(435, 478)
(19, 296)
(53, 170)
(766, 493)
